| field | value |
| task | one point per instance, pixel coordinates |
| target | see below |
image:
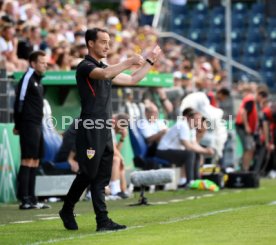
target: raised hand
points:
(154, 54)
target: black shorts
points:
(94, 151)
(31, 141)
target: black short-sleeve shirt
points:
(95, 94)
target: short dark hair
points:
(262, 90)
(7, 26)
(224, 91)
(92, 34)
(263, 94)
(188, 112)
(34, 55)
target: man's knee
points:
(116, 160)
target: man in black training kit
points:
(94, 145)
(28, 114)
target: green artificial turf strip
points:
(227, 217)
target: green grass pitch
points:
(230, 216)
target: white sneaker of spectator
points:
(40, 205)
(272, 174)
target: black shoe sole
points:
(110, 229)
(61, 215)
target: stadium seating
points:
(253, 34)
(52, 143)
(140, 150)
(197, 35)
(239, 8)
(258, 8)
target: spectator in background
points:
(8, 49)
(131, 108)
(224, 102)
(131, 9)
(64, 61)
(28, 114)
(67, 150)
(153, 129)
(118, 184)
(216, 135)
(179, 145)
(158, 97)
(29, 44)
(222, 95)
(264, 141)
(247, 122)
(270, 136)
(10, 12)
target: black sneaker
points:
(25, 206)
(123, 195)
(109, 225)
(68, 219)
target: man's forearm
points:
(156, 137)
(139, 74)
(114, 70)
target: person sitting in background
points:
(159, 97)
(179, 144)
(117, 184)
(216, 135)
(153, 128)
(131, 108)
(67, 151)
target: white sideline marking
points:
(159, 203)
(196, 216)
(272, 203)
(176, 200)
(208, 195)
(22, 222)
(190, 198)
(137, 227)
(85, 236)
(49, 218)
(43, 215)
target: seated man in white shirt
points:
(153, 128)
(179, 144)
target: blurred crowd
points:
(58, 28)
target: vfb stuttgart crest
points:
(90, 153)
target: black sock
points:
(32, 184)
(23, 183)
